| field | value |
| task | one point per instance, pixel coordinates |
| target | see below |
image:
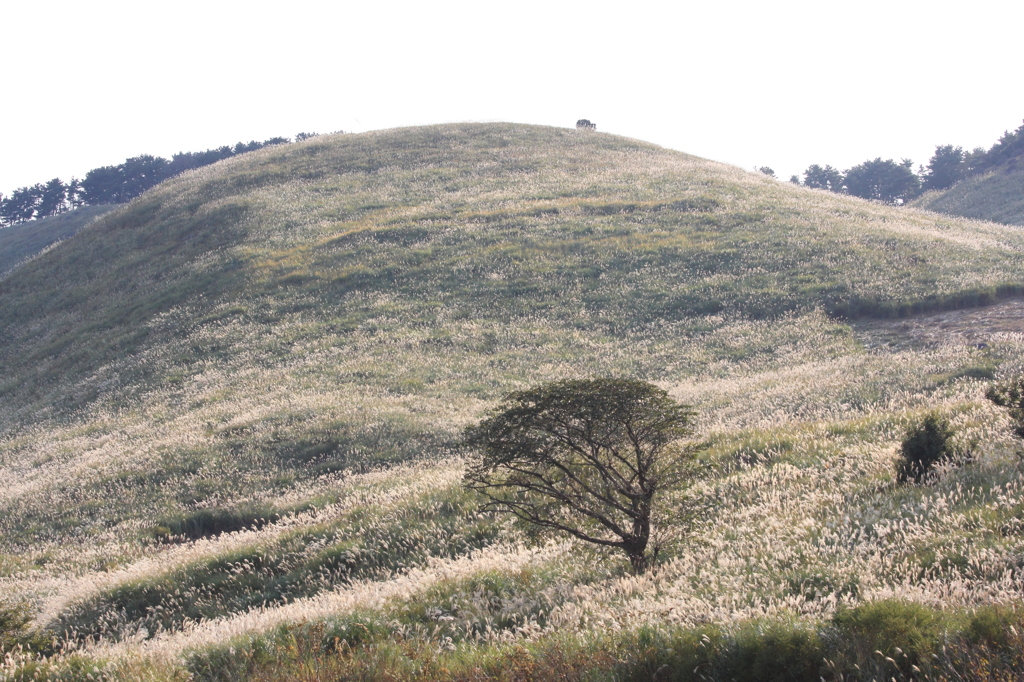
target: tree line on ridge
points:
(115, 184)
(897, 183)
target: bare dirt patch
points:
(974, 326)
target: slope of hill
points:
(233, 405)
(25, 240)
(998, 196)
(474, 223)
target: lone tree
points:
(585, 457)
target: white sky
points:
(783, 84)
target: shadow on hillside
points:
(19, 243)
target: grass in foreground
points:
(888, 639)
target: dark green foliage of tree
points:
(243, 147)
(122, 183)
(102, 186)
(945, 168)
(183, 161)
(21, 205)
(40, 201)
(140, 173)
(1008, 149)
(767, 171)
(53, 199)
(1010, 394)
(584, 457)
(76, 197)
(974, 160)
(828, 178)
(887, 181)
(924, 446)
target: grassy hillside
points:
(25, 240)
(997, 196)
(232, 406)
(472, 223)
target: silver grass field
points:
(232, 408)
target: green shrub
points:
(1010, 394)
(775, 651)
(15, 630)
(924, 446)
(991, 625)
(908, 633)
(676, 656)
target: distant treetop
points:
(585, 124)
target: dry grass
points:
(278, 353)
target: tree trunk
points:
(636, 544)
(638, 560)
